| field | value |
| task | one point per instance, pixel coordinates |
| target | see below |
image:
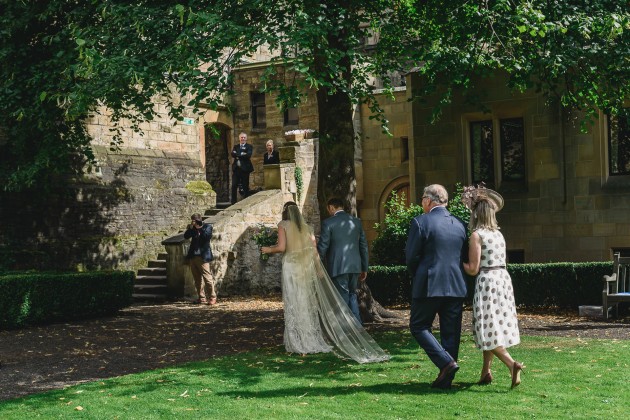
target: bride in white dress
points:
(316, 319)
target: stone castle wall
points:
(117, 214)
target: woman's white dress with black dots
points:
(494, 312)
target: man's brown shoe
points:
(444, 379)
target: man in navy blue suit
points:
(436, 246)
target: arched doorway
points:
(217, 160)
(400, 186)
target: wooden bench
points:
(617, 285)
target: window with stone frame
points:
(404, 149)
(619, 143)
(508, 156)
(291, 116)
(623, 252)
(482, 152)
(259, 110)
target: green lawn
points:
(564, 378)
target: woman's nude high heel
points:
(486, 380)
(517, 368)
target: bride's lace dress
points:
(302, 331)
(316, 319)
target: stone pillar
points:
(272, 177)
(178, 274)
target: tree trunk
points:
(336, 172)
(369, 308)
(336, 150)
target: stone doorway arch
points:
(217, 137)
(399, 186)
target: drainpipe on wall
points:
(564, 157)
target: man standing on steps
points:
(241, 167)
(199, 255)
(343, 248)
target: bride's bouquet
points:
(265, 236)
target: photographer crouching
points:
(199, 255)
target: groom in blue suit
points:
(436, 247)
(343, 248)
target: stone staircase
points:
(151, 283)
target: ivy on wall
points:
(299, 183)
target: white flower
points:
(308, 130)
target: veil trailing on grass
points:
(303, 267)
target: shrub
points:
(36, 298)
(564, 285)
(388, 248)
(589, 281)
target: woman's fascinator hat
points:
(472, 194)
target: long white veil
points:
(341, 328)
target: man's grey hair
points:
(436, 193)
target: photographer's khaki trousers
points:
(204, 283)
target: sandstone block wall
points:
(569, 208)
(383, 165)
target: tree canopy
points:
(63, 59)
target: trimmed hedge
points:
(390, 285)
(37, 298)
(566, 285)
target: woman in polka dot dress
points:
(495, 326)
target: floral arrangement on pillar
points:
(297, 135)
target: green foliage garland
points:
(299, 182)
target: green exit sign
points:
(189, 121)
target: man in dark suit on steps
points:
(435, 250)
(242, 166)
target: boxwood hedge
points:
(565, 285)
(35, 298)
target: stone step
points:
(162, 256)
(157, 263)
(223, 205)
(140, 280)
(153, 297)
(152, 271)
(212, 212)
(150, 288)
